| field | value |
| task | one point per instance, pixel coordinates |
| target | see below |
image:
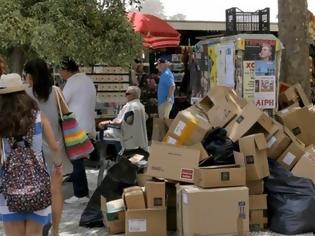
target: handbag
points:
(77, 142)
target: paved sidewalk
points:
(72, 213)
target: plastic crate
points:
(238, 21)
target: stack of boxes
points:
(225, 199)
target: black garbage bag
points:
(220, 147)
(291, 202)
(121, 175)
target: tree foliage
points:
(91, 31)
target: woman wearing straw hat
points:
(21, 118)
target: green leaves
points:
(90, 31)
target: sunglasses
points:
(127, 94)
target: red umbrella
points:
(156, 32)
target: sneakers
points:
(75, 199)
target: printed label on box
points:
(185, 198)
(187, 174)
(250, 159)
(171, 140)
(225, 176)
(137, 225)
(271, 141)
(289, 158)
(157, 201)
(179, 128)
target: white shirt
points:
(80, 95)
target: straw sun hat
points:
(11, 83)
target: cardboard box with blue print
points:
(217, 211)
(222, 176)
(113, 215)
(173, 162)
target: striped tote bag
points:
(77, 143)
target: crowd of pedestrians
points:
(34, 161)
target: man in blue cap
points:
(166, 88)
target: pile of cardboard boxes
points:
(225, 199)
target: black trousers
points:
(79, 179)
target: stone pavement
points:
(72, 213)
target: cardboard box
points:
(114, 218)
(221, 105)
(222, 176)
(146, 222)
(160, 128)
(292, 154)
(219, 93)
(173, 162)
(277, 144)
(219, 211)
(305, 167)
(293, 94)
(254, 148)
(134, 198)
(179, 206)
(142, 179)
(258, 220)
(255, 187)
(258, 202)
(155, 194)
(251, 120)
(189, 127)
(299, 121)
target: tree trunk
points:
(16, 60)
(293, 33)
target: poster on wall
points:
(249, 80)
(265, 87)
(222, 64)
(259, 62)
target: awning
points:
(156, 32)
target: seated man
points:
(132, 122)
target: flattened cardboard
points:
(155, 194)
(200, 207)
(146, 222)
(305, 167)
(255, 187)
(254, 148)
(222, 176)
(258, 202)
(173, 162)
